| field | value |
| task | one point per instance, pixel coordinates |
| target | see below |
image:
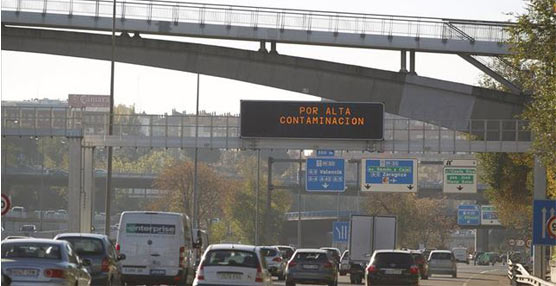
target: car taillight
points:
(414, 269)
(372, 269)
(259, 277)
(200, 273)
(327, 265)
(292, 264)
(277, 259)
(182, 256)
(105, 266)
(117, 247)
(54, 273)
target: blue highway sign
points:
(340, 231)
(389, 175)
(544, 222)
(469, 215)
(325, 175)
(325, 153)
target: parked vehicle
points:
(344, 263)
(105, 267)
(286, 251)
(44, 262)
(312, 266)
(232, 264)
(442, 262)
(275, 264)
(422, 263)
(17, 212)
(460, 253)
(157, 246)
(394, 267)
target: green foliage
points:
(533, 44)
(151, 163)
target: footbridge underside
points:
(445, 103)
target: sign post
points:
(340, 231)
(325, 175)
(6, 204)
(460, 176)
(389, 175)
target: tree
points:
(533, 46)
(420, 220)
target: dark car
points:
(104, 268)
(421, 262)
(311, 266)
(392, 267)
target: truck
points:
(367, 234)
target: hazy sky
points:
(28, 75)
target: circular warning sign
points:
(511, 242)
(520, 243)
(528, 243)
(5, 204)
(551, 226)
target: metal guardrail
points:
(518, 275)
(275, 18)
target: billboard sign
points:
(389, 175)
(311, 119)
(88, 100)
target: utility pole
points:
(195, 182)
(108, 194)
(257, 197)
(299, 175)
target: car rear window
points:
(85, 245)
(231, 258)
(392, 260)
(418, 257)
(307, 256)
(269, 252)
(286, 252)
(31, 250)
(441, 255)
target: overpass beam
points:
(87, 196)
(403, 61)
(496, 76)
(412, 62)
(262, 47)
(74, 184)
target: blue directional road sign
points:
(544, 222)
(325, 175)
(340, 231)
(469, 215)
(325, 153)
(389, 175)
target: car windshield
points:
(231, 257)
(85, 245)
(441, 255)
(309, 256)
(31, 250)
(392, 260)
(269, 252)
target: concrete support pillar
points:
(539, 193)
(262, 47)
(403, 61)
(87, 198)
(74, 184)
(273, 49)
(412, 62)
(481, 240)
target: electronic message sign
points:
(312, 119)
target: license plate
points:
(229, 276)
(158, 272)
(392, 271)
(24, 272)
(132, 270)
(310, 266)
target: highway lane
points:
(468, 275)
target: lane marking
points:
(477, 274)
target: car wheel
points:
(109, 282)
(425, 277)
(281, 277)
(454, 275)
(290, 283)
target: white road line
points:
(477, 274)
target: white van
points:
(158, 248)
(460, 253)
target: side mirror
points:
(121, 257)
(86, 262)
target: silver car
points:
(442, 262)
(312, 266)
(276, 264)
(43, 261)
